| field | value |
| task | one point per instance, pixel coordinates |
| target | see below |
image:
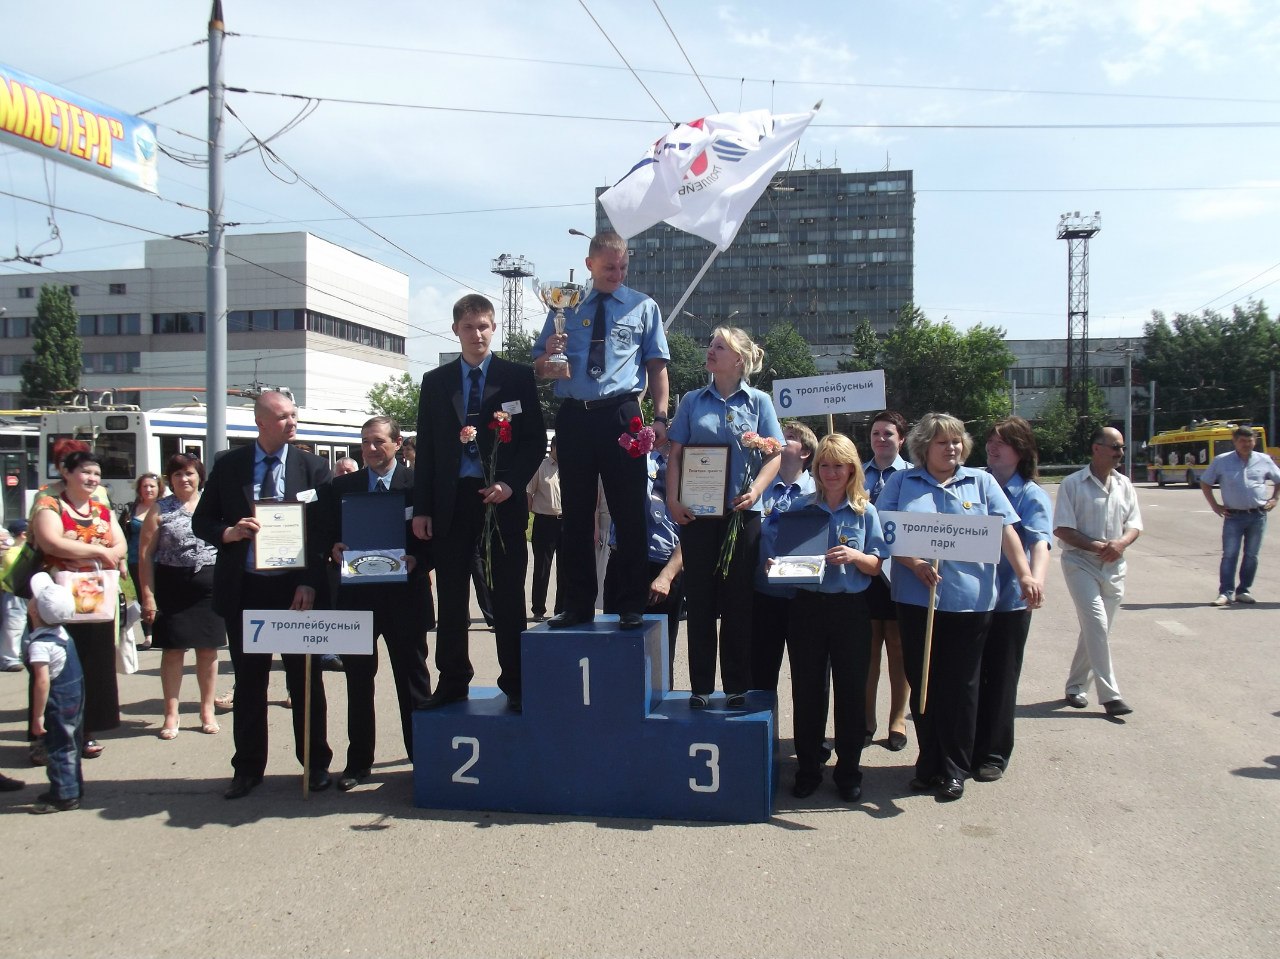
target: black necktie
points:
(595, 358)
(268, 489)
(382, 486)
(473, 411)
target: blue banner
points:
(59, 125)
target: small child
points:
(57, 695)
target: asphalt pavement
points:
(1155, 835)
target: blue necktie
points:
(268, 488)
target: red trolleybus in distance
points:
(1182, 455)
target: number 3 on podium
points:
(713, 763)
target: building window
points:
(18, 327)
(177, 322)
(75, 289)
(116, 289)
(110, 362)
(26, 292)
(354, 333)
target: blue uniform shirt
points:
(875, 478)
(375, 479)
(259, 474)
(1035, 525)
(775, 501)
(845, 528)
(633, 336)
(965, 587)
(1243, 483)
(706, 418)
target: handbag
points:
(17, 579)
(95, 592)
(127, 647)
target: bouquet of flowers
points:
(758, 448)
(638, 440)
(501, 426)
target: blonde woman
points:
(830, 624)
(723, 412)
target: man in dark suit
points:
(451, 493)
(402, 612)
(266, 470)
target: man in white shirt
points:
(1242, 475)
(1096, 518)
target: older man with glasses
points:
(1096, 518)
(1243, 475)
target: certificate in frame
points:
(704, 479)
(281, 542)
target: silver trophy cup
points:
(559, 296)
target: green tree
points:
(688, 367)
(866, 350)
(1210, 366)
(397, 398)
(934, 367)
(518, 348)
(55, 362)
(1062, 436)
(786, 355)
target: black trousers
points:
(544, 541)
(998, 687)
(829, 635)
(946, 728)
(454, 553)
(771, 616)
(588, 449)
(710, 596)
(669, 607)
(253, 673)
(401, 616)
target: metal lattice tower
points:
(1077, 231)
(513, 270)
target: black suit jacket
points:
(228, 498)
(441, 409)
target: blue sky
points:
(1010, 113)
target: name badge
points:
(513, 407)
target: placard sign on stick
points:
(836, 393)
(317, 631)
(973, 539)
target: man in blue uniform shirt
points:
(1243, 476)
(616, 346)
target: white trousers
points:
(1096, 589)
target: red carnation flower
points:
(636, 424)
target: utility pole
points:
(215, 314)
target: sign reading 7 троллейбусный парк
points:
(338, 631)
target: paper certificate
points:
(281, 539)
(704, 479)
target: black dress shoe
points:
(515, 704)
(350, 779)
(443, 698)
(897, 741)
(850, 793)
(320, 781)
(568, 620)
(988, 773)
(1077, 701)
(631, 621)
(241, 786)
(8, 785)
(951, 790)
(805, 786)
(1117, 707)
(920, 784)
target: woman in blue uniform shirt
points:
(830, 622)
(966, 595)
(719, 414)
(1012, 458)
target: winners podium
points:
(601, 735)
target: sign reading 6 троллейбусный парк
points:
(836, 393)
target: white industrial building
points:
(303, 313)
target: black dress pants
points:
(544, 542)
(253, 673)
(587, 440)
(946, 727)
(829, 634)
(453, 555)
(998, 687)
(710, 596)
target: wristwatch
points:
(661, 419)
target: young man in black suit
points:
(402, 612)
(266, 470)
(451, 493)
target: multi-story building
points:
(303, 313)
(1038, 374)
(822, 249)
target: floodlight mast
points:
(1078, 231)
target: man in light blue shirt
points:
(1243, 475)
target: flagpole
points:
(675, 310)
